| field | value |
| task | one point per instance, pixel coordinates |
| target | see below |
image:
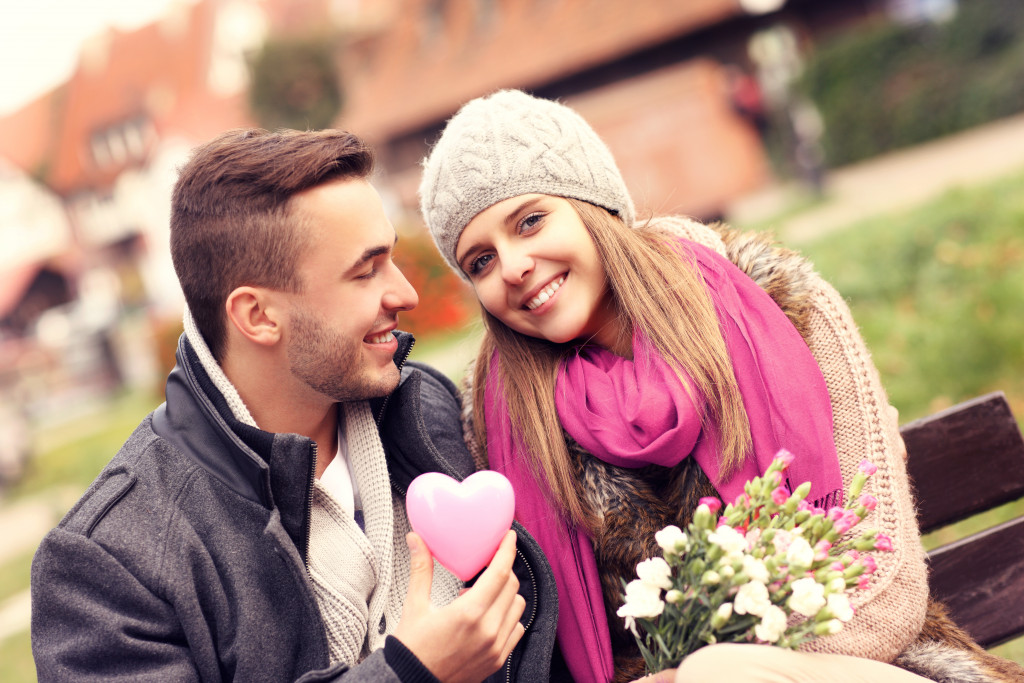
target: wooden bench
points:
(963, 461)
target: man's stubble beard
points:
(330, 364)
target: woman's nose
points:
(515, 266)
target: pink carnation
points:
(867, 467)
(821, 549)
(847, 521)
(863, 582)
(785, 457)
(804, 506)
(780, 495)
(713, 503)
(870, 566)
(883, 543)
(835, 514)
(837, 565)
(868, 501)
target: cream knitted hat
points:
(509, 144)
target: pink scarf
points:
(636, 413)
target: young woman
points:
(630, 368)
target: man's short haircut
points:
(230, 213)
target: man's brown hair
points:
(230, 213)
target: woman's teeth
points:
(380, 338)
(545, 293)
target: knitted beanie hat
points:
(509, 144)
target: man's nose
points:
(400, 295)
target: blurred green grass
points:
(938, 293)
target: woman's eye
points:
(479, 263)
(531, 222)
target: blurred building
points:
(677, 88)
(656, 78)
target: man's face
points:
(339, 338)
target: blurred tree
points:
(885, 86)
(446, 303)
(295, 83)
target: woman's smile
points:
(519, 255)
(546, 293)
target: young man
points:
(253, 527)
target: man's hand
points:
(470, 638)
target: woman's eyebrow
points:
(527, 204)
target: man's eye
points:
(368, 275)
(479, 263)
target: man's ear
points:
(251, 313)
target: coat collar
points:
(272, 470)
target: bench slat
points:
(981, 579)
(965, 460)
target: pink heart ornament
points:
(462, 523)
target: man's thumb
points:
(421, 565)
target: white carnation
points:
(800, 553)
(808, 597)
(752, 598)
(839, 605)
(655, 572)
(772, 626)
(732, 542)
(672, 539)
(642, 601)
(755, 569)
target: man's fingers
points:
(513, 640)
(494, 578)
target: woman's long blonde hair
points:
(657, 292)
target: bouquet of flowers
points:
(740, 577)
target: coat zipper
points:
(400, 364)
(312, 470)
(533, 614)
(309, 505)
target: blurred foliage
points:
(938, 294)
(295, 83)
(16, 665)
(446, 303)
(889, 86)
(70, 453)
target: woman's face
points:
(535, 268)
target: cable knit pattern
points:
(890, 612)
(343, 568)
(509, 144)
(361, 580)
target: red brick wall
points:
(677, 141)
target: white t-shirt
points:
(339, 478)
